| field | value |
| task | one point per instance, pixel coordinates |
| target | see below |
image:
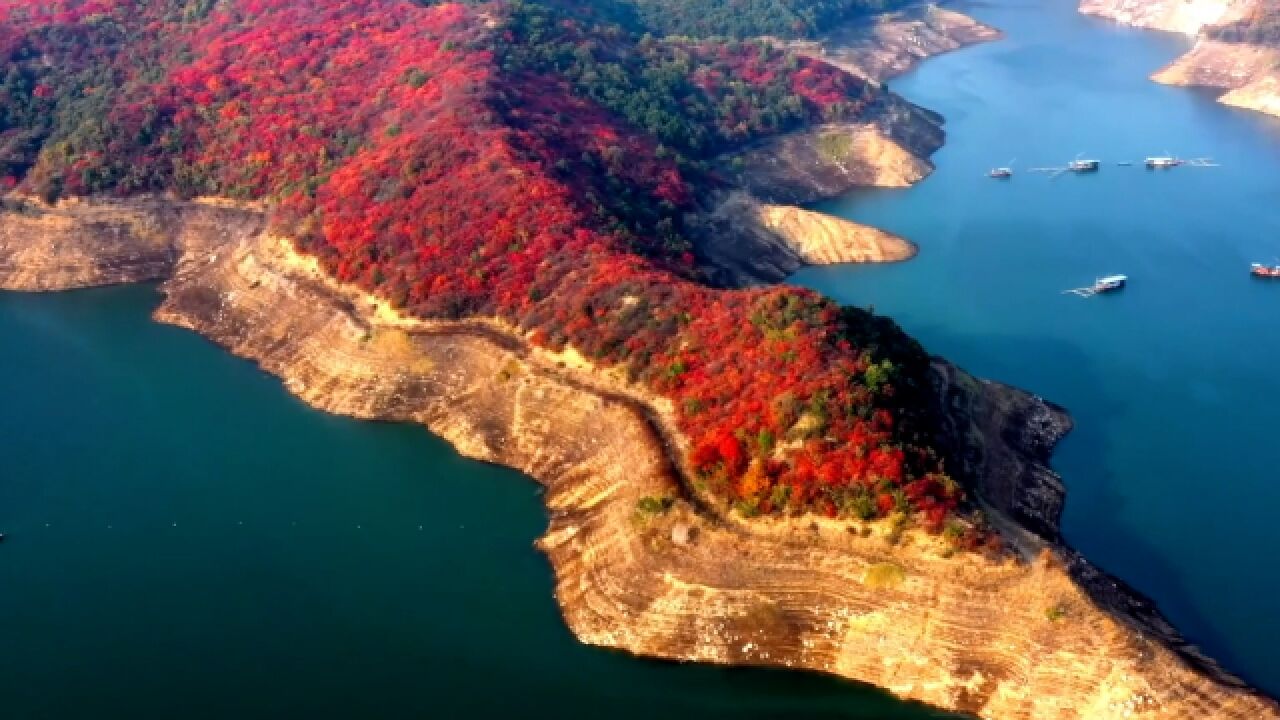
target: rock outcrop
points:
(752, 233)
(1032, 634)
(746, 242)
(898, 41)
(1180, 16)
(889, 150)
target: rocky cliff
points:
(1035, 633)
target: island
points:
(549, 232)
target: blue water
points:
(187, 540)
(1171, 473)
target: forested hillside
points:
(1262, 27)
(525, 161)
(745, 18)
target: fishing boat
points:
(1264, 271)
(1161, 162)
(1101, 285)
(1084, 166)
(1109, 283)
(1000, 172)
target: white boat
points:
(1109, 283)
(1101, 285)
(1081, 166)
(1163, 161)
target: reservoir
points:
(188, 540)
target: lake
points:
(188, 540)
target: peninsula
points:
(545, 232)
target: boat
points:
(1000, 172)
(1109, 283)
(1264, 271)
(1161, 162)
(1083, 166)
(1124, 163)
(1101, 285)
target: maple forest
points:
(515, 160)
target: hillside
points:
(1260, 26)
(507, 161)
(738, 19)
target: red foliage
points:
(400, 156)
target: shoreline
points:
(1246, 75)
(898, 41)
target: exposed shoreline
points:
(1247, 75)
(897, 42)
(960, 632)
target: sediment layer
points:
(1008, 637)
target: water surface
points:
(187, 540)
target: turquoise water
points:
(1171, 476)
(187, 540)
